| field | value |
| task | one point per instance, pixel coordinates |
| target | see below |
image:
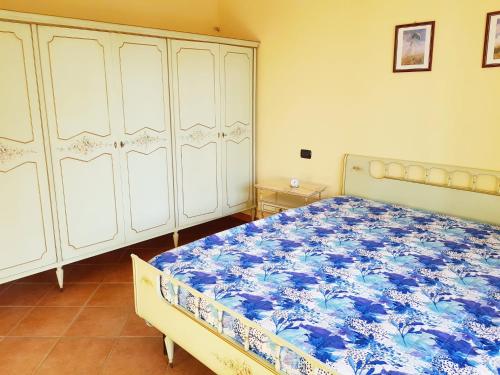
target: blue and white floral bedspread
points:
(367, 288)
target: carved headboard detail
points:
(459, 191)
(486, 182)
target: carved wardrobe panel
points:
(196, 114)
(212, 91)
(237, 127)
(145, 136)
(83, 120)
(26, 228)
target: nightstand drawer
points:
(277, 196)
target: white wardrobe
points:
(109, 138)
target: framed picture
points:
(413, 44)
(491, 55)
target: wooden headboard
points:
(458, 191)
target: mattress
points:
(364, 287)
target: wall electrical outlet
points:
(305, 154)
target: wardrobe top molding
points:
(40, 19)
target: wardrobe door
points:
(237, 127)
(26, 231)
(82, 117)
(145, 138)
(195, 88)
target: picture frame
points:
(491, 54)
(414, 47)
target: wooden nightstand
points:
(277, 195)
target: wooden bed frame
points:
(457, 191)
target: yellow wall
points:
(325, 82)
(198, 16)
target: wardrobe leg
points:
(169, 348)
(176, 239)
(60, 276)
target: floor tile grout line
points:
(129, 314)
(85, 304)
(34, 305)
(101, 366)
(82, 307)
(82, 337)
(20, 320)
(113, 346)
(43, 307)
(103, 361)
(19, 306)
(35, 370)
(46, 294)
(78, 282)
(75, 305)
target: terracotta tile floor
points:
(90, 327)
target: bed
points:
(347, 285)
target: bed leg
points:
(176, 239)
(60, 276)
(169, 348)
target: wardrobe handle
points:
(122, 144)
(115, 144)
